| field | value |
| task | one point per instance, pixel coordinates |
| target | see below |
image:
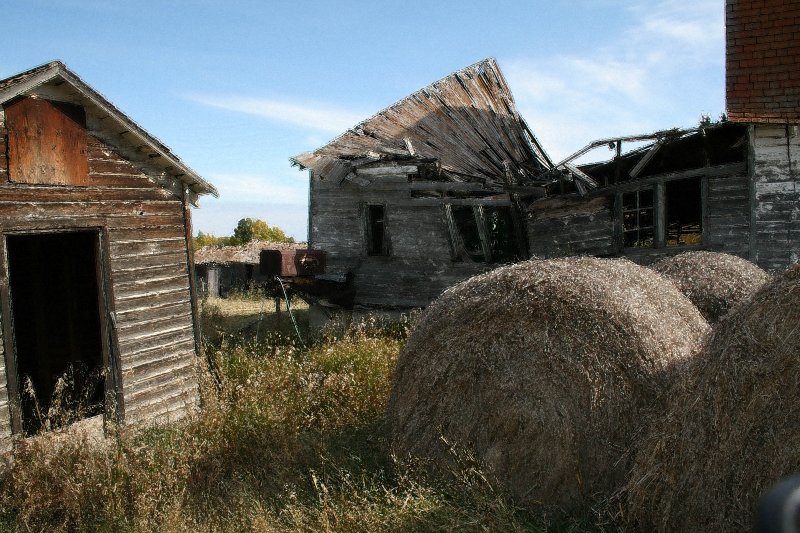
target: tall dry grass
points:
(286, 439)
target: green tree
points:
(207, 239)
(249, 229)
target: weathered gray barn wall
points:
(419, 266)
(576, 226)
(776, 196)
(563, 226)
(727, 214)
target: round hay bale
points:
(713, 281)
(731, 428)
(543, 371)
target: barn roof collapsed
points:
(465, 128)
(462, 128)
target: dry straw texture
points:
(713, 281)
(544, 371)
(731, 429)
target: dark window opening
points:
(503, 240)
(684, 224)
(469, 237)
(377, 243)
(637, 219)
(483, 234)
(56, 321)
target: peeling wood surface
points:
(46, 144)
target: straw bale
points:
(731, 429)
(713, 281)
(544, 371)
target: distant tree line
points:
(248, 229)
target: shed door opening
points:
(57, 335)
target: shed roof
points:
(467, 121)
(56, 74)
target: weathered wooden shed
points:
(96, 281)
(426, 192)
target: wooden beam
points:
(445, 186)
(719, 170)
(387, 170)
(461, 201)
(645, 160)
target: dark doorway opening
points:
(57, 330)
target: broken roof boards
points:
(95, 234)
(467, 122)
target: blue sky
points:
(235, 88)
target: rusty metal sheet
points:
(47, 143)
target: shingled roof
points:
(56, 74)
(467, 122)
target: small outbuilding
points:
(96, 285)
(222, 269)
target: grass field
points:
(288, 438)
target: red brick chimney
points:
(762, 61)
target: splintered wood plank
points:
(47, 143)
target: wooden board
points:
(47, 143)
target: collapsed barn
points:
(96, 284)
(427, 192)
(450, 182)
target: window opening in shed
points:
(637, 219)
(684, 212)
(57, 332)
(377, 243)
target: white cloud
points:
(292, 189)
(315, 116)
(653, 74)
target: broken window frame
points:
(373, 224)
(660, 215)
(635, 218)
(113, 402)
(481, 216)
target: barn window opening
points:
(684, 212)
(464, 234)
(637, 219)
(377, 243)
(55, 308)
(483, 234)
(502, 234)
